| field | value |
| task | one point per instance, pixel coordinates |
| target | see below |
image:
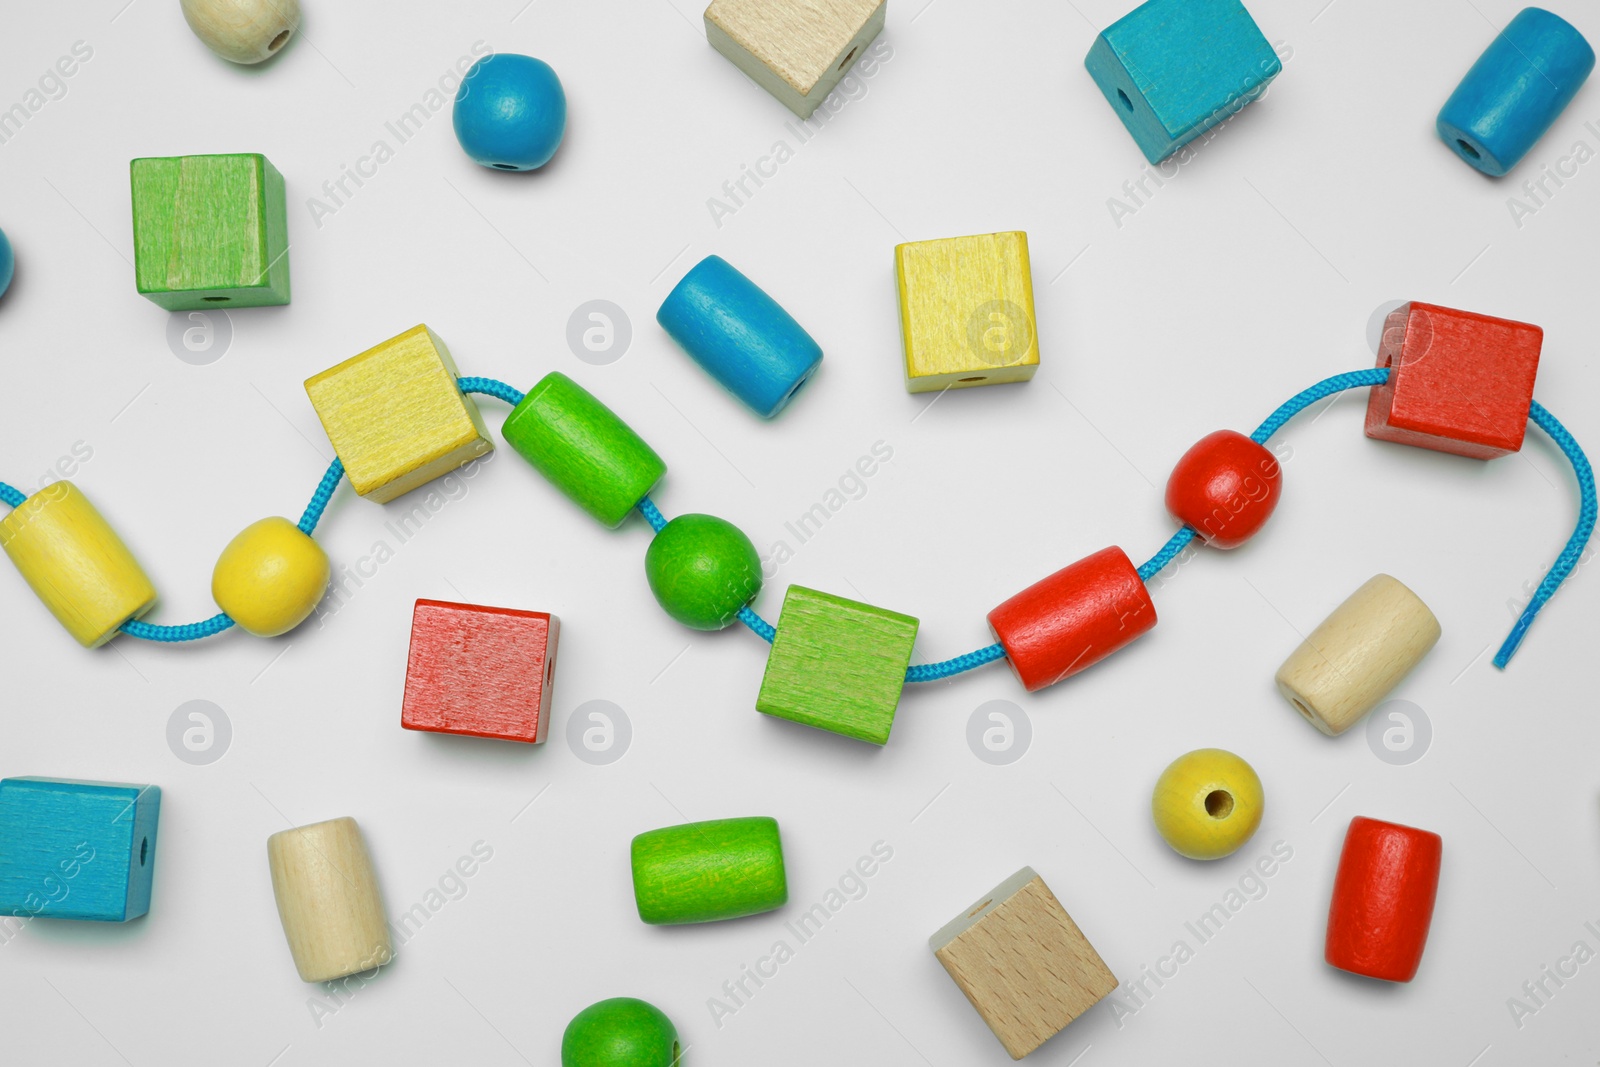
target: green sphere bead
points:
(702, 570)
(620, 1032)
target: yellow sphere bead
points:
(270, 577)
(1207, 804)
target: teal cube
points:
(210, 232)
(1172, 69)
(77, 850)
(837, 664)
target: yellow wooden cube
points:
(966, 311)
(396, 417)
(76, 563)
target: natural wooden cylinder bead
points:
(75, 562)
(1383, 897)
(243, 31)
(328, 900)
(1358, 655)
(704, 871)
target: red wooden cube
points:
(481, 671)
(1458, 382)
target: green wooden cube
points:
(578, 443)
(210, 231)
(837, 664)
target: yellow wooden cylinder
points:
(75, 562)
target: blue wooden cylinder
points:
(739, 335)
(1515, 91)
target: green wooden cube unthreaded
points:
(210, 231)
(705, 871)
(583, 448)
(837, 664)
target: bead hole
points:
(979, 378)
(144, 850)
(1219, 803)
(980, 907)
(677, 1056)
(216, 299)
(1468, 149)
(1303, 710)
(845, 62)
(503, 166)
(277, 42)
(1127, 103)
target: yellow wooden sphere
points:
(270, 577)
(1207, 804)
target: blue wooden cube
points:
(77, 850)
(1172, 69)
(741, 336)
(1515, 91)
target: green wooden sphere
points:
(702, 570)
(620, 1032)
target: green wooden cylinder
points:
(583, 448)
(704, 871)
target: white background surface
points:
(1253, 274)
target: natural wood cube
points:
(837, 665)
(396, 416)
(797, 50)
(210, 231)
(1023, 963)
(966, 311)
(484, 672)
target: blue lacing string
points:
(490, 387)
(922, 672)
(1575, 544)
(10, 496)
(319, 499)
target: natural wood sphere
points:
(243, 31)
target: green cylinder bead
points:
(620, 1032)
(702, 570)
(583, 448)
(704, 871)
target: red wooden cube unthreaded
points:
(1458, 382)
(1383, 899)
(480, 671)
(1073, 619)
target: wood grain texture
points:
(76, 564)
(270, 577)
(1383, 897)
(210, 231)
(705, 871)
(837, 664)
(966, 311)
(1023, 963)
(480, 671)
(1459, 382)
(243, 31)
(328, 900)
(1358, 654)
(77, 850)
(396, 416)
(583, 448)
(797, 50)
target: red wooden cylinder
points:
(1073, 619)
(1383, 899)
(1226, 487)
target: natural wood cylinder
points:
(1358, 655)
(328, 900)
(243, 31)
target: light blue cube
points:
(1172, 69)
(77, 850)
(740, 335)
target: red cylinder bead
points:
(1073, 619)
(1226, 487)
(1383, 899)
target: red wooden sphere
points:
(1383, 899)
(1226, 487)
(1073, 619)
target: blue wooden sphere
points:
(510, 112)
(1515, 91)
(740, 335)
(8, 263)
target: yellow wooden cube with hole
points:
(966, 311)
(396, 416)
